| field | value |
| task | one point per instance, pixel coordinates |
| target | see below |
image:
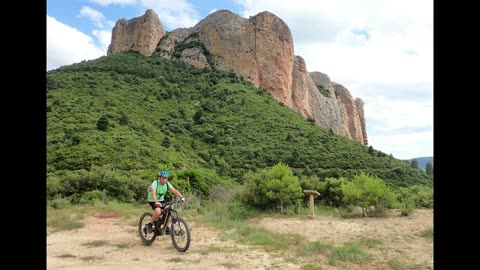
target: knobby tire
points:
(180, 231)
(150, 237)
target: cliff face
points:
(310, 102)
(261, 50)
(351, 120)
(231, 41)
(350, 112)
(140, 34)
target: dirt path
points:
(111, 243)
(398, 237)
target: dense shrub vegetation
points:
(113, 122)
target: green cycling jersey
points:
(161, 190)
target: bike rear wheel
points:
(180, 233)
(147, 238)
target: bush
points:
(366, 190)
(407, 206)
(331, 191)
(102, 123)
(424, 197)
(194, 201)
(273, 188)
(421, 196)
(59, 202)
(240, 211)
(91, 197)
(54, 186)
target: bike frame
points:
(162, 220)
(180, 231)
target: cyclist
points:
(158, 188)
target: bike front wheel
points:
(180, 234)
(147, 238)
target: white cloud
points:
(404, 146)
(114, 2)
(323, 33)
(94, 15)
(304, 18)
(173, 14)
(380, 50)
(399, 117)
(105, 38)
(67, 45)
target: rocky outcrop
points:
(351, 123)
(140, 34)
(361, 115)
(259, 49)
(194, 57)
(274, 55)
(310, 102)
(172, 39)
(230, 39)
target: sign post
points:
(312, 194)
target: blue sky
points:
(380, 50)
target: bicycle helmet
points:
(163, 173)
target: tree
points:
(429, 168)
(102, 123)
(197, 118)
(414, 163)
(366, 190)
(282, 185)
(123, 119)
(166, 142)
(276, 186)
(331, 190)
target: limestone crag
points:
(351, 120)
(140, 34)
(323, 80)
(310, 102)
(361, 116)
(194, 57)
(230, 39)
(170, 40)
(274, 55)
(261, 50)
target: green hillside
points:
(114, 121)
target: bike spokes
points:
(180, 233)
(146, 236)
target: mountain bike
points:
(179, 231)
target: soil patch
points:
(113, 243)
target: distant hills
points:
(422, 161)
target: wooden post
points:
(312, 207)
(311, 194)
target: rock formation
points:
(140, 34)
(351, 115)
(261, 50)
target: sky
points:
(380, 50)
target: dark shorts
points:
(152, 204)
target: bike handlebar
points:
(165, 204)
